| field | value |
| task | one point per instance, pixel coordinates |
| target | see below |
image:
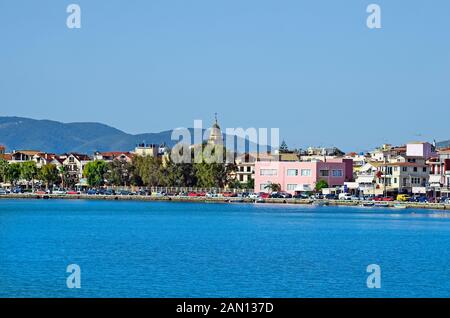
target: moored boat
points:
(400, 206)
(368, 204)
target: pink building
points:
(300, 176)
(420, 149)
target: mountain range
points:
(86, 137)
(18, 133)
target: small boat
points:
(381, 204)
(368, 204)
(400, 206)
(260, 200)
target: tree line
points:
(141, 171)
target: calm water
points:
(156, 249)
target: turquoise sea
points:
(166, 249)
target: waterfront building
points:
(300, 176)
(439, 182)
(75, 163)
(41, 158)
(245, 167)
(387, 152)
(2, 150)
(146, 150)
(113, 155)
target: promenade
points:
(350, 203)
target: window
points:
(336, 173)
(324, 173)
(395, 180)
(291, 187)
(306, 172)
(268, 172)
(415, 169)
(292, 172)
(404, 169)
(424, 169)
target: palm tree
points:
(63, 175)
(273, 187)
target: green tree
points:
(148, 168)
(235, 184)
(273, 187)
(321, 184)
(94, 172)
(173, 174)
(49, 174)
(64, 175)
(283, 148)
(250, 184)
(29, 172)
(13, 173)
(4, 167)
(119, 173)
(213, 170)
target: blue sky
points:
(311, 68)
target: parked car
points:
(419, 199)
(378, 198)
(252, 195)
(263, 195)
(331, 196)
(17, 190)
(275, 195)
(109, 192)
(403, 197)
(445, 200)
(73, 192)
(387, 199)
(345, 196)
(302, 196)
(3, 192)
(92, 192)
(124, 192)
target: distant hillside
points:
(443, 144)
(52, 136)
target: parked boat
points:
(400, 206)
(368, 204)
(382, 205)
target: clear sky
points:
(311, 68)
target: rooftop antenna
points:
(215, 117)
